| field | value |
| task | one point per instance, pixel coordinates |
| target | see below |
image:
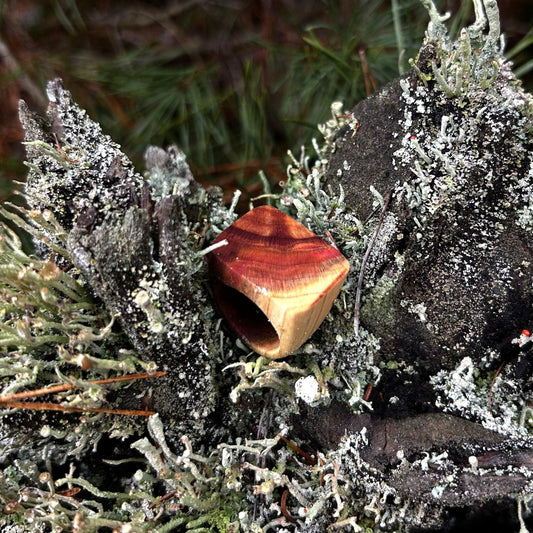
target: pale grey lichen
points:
(81, 172)
(455, 169)
(525, 213)
(197, 473)
(471, 63)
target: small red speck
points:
(526, 332)
(305, 510)
(413, 138)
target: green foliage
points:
(224, 83)
(230, 83)
(518, 54)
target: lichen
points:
(117, 284)
(457, 169)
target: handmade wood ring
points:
(274, 281)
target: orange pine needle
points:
(49, 406)
(69, 493)
(68, 386)
(290, 444)
(12, 400)
(368, 392)
(283, 506)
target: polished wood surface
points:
(275, 281)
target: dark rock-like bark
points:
(448, 287)
(134, 243)
(464, 286)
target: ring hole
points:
(246, 319)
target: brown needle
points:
(13, 400)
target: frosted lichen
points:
(455, 280)
(342, 435)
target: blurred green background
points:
(235, 83)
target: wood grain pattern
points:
(275, 281)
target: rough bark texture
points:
(447, 289)
(446, 292)
(468, 263)
(130, 241)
